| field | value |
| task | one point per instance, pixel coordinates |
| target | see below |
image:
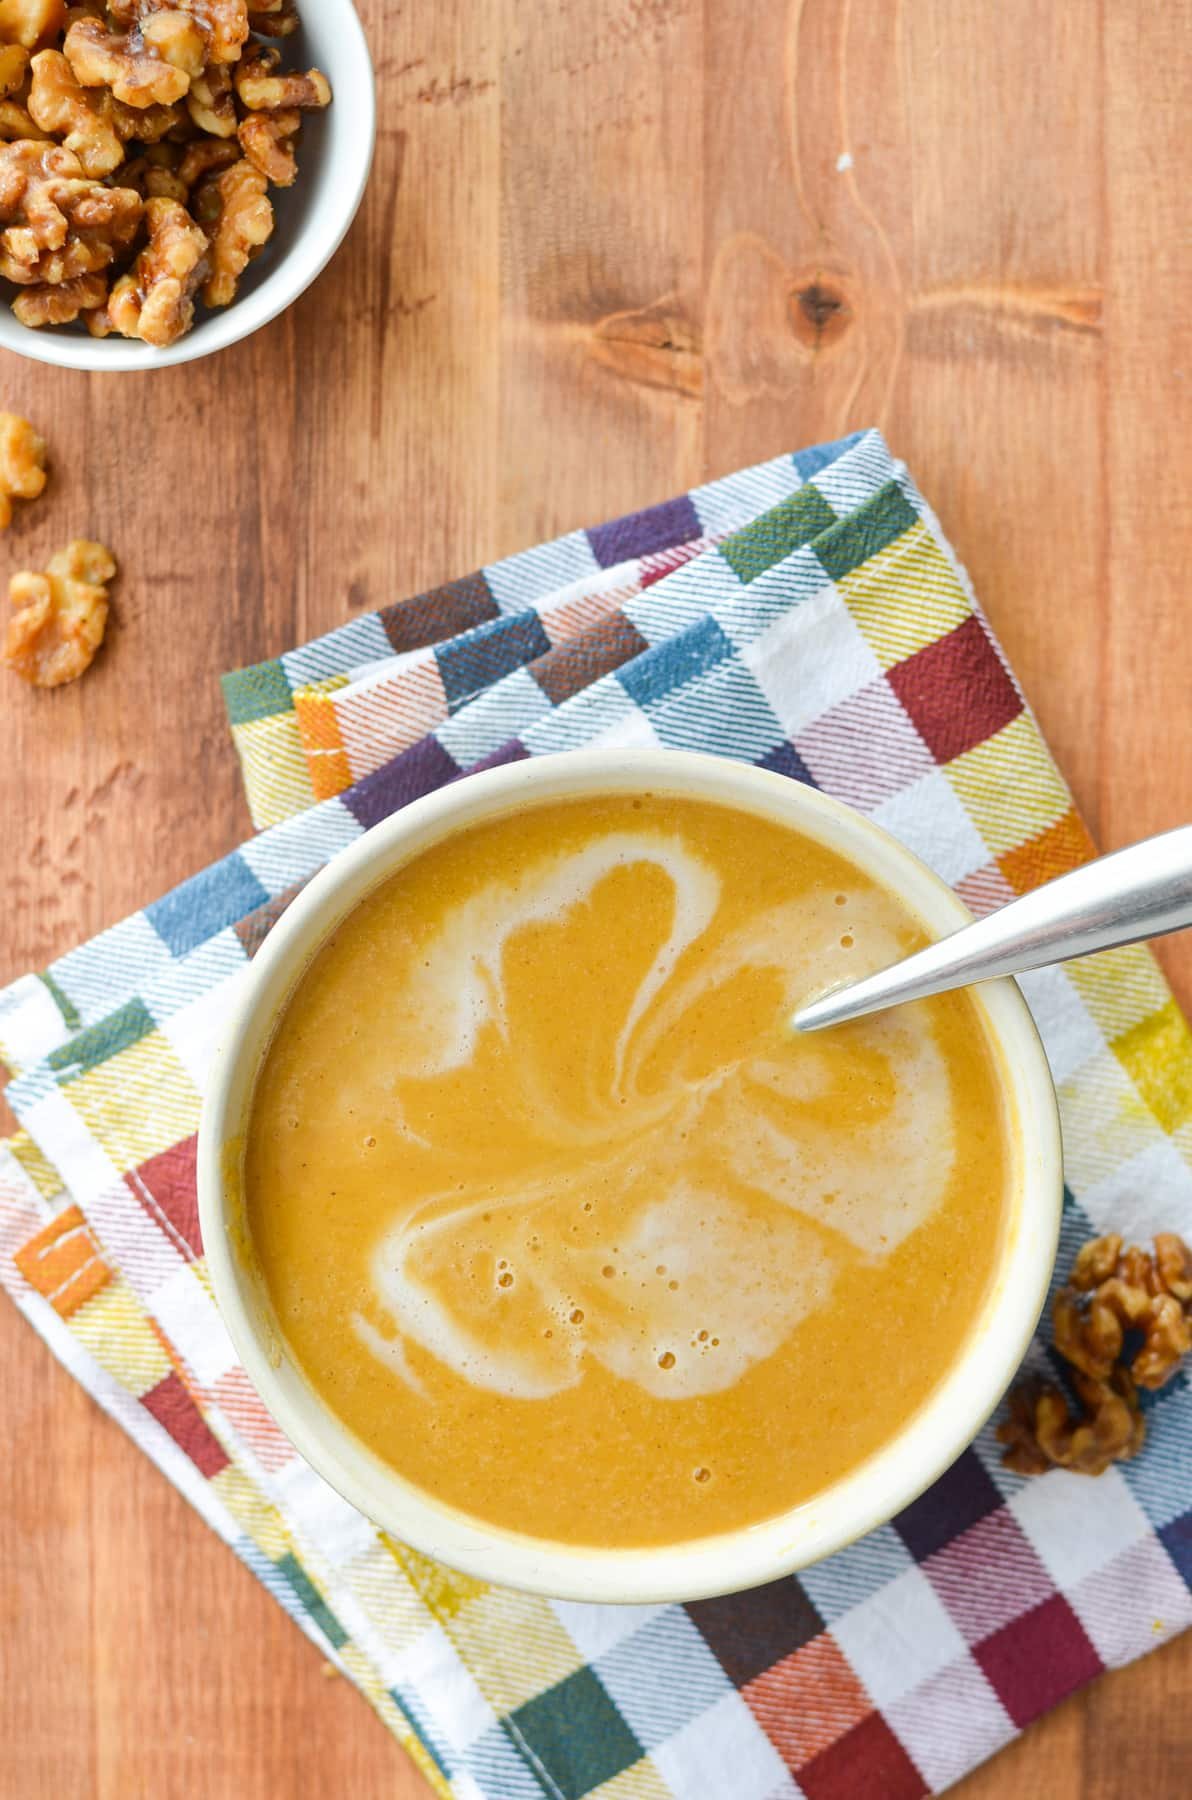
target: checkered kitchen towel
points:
(807, 616)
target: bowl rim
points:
(241, 320)
(870, 1494)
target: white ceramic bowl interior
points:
(334, 157)
(869, 1495)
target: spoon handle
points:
(1141, 892)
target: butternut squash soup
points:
(562, 1219)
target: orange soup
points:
(557, 1213)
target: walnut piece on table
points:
(235, 210)
(55, 222)
(22, 463)
(61, 615)
(155, 300)
(1115, 1299)
(33, 24)
(60, 106)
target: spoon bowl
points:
(1144, 891)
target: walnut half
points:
(22, 463)
(136, 69)
(60, 106)
(1113, 1296)
(262, 88)
(155, 300)
(267, 139)
(61, 616)
(60, 304)
(236, 210)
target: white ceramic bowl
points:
(335, 153)
(873, 1492)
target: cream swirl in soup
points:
(669, 1215)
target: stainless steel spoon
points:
(1141, 892)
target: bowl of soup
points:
(547, 1240)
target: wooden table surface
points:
(610, 248)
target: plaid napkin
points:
(808, 616)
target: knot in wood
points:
(819, 311)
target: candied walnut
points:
(155, 300)
(261, 89)
(1113, 1298)
(267, 140)
(16, 124)
(44, 305)
(155, 174)
(59, 105)
(1114, 1291)
(236, 210)
(1167, 1340)
(58, 223)
(1173, 1262)
(1042, 1433)
(226, 25)
(147, 124)
(22, 463)
(1017, 1430)
(207, 156)
(34, 24)
(129, 65)
(61, 615)
(1089, 1332)
(273, 18)
(177, 39)
(14, 66)
(223, 23)
(1095, 1263)
(210, 103)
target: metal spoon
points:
(1141, 892)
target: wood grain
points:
(610, 248)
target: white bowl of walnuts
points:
(173, 173)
